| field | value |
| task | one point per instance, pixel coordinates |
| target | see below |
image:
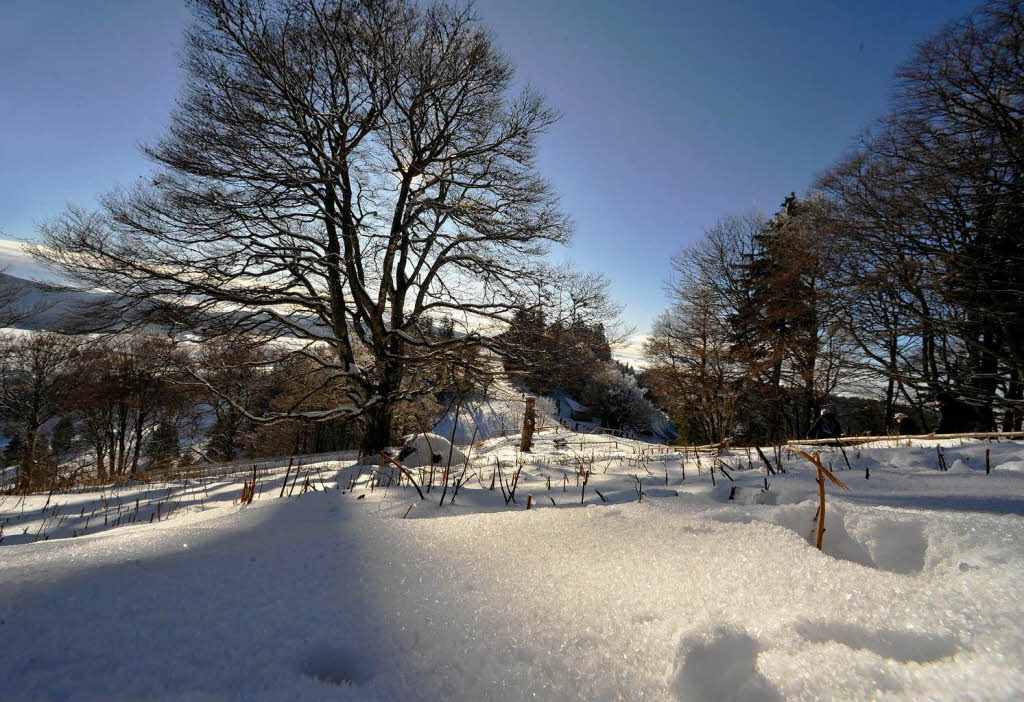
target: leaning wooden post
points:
(529, 422)
(823, 473)
(402, 469)
(821, 505)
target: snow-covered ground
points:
(687, 594)
(497, 413)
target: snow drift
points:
(697, 592)
(425, 450)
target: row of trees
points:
(115, 407)
(114, 397)
(753, 342)
(931, 207)
(564, 345)
(900, 275)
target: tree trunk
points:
(377, 436)
(101, 468)
(28, 461)
(137, 451)
(529, 423)
(122, 437)
(380, 417)
(890, 389)
(112, 452)
(1012, 414)
(776, 414)
(987, 379)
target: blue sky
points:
(674, 113)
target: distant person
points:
(904, 425)
(826, 426)
(955, 417)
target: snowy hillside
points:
(594, 593)
(54, 307)
(15, 260)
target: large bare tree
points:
(933, 206)
(335, 172)
(691, 369)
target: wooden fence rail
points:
(901, 437)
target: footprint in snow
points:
(892, 545)
(721, 664)
(905, 646)
(335, 666)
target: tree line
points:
(79, 409)
(898, 277)
(105, 408)
(562, 346)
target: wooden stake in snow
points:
(286, 474)
(529, 501)
(823, 472)
(767, 466)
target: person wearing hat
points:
(955, 417)
(826, 426)
(904, 425)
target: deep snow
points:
(685, 595)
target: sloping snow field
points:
(687, 594)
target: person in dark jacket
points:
(904, 425)
(955, 417)
(826, 426)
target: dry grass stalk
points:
(638, 486)
(823, 473)
(404, 471)
(286, 473)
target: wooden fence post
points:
(529, 422)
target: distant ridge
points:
(52, 307)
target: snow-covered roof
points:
(569, 403)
